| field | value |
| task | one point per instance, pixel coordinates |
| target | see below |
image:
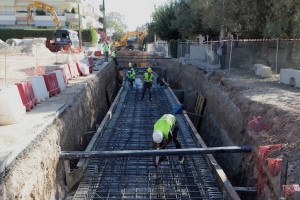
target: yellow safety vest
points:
(147, 78)
(164, 124)
(132, 73)
(113, 54)
(106, 48)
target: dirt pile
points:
(29, 48)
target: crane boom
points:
(47, 8)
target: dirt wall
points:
(38, 173)
(225, 123)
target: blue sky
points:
(135, 12)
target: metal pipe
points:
(145, 153)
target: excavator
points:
(129, 44)
(64, 39)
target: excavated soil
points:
(233, 97)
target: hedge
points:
(88, 35)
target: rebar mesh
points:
(136, 177)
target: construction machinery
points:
(48, 8)
(124, 42)
(64, 39)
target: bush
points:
(173, 48)
(89, 35)
(73, 10)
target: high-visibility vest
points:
(132, 73)
(147, 78)
(164, 124)
(113, 54)
(106, 47)
(129, 64)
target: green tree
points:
(115, 22)
(163, 19)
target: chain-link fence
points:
(244, 54)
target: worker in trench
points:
(106, 50)
(148, 81)
(131, 74)
(113, 55)
(165, 130)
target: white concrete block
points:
(60, 80)
(12, 109)
(290, 77)
(262, 70)
(84, 69)
(39, 88)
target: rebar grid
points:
(135, 177)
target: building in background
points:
(13, 14)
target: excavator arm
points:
(47, 8)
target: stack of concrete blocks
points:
(262, 70)
(290, 77)
(198, 52)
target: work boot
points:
(180, 160)
(163, 158)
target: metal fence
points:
(243, 54)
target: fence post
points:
(276, 58)
(211, 52)
(5, 69)
(230, 53)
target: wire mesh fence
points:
(243, 54)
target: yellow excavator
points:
(48, 8)
(129, 44)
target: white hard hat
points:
(157, 136)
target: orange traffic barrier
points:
(51, 83)
(27, 95)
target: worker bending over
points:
(148, 80)
(106, 50)
(165, 129)
(131, 75)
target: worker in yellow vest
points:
(131, 74)
(106, 50)
(165, 129)
(148, 80)
(113, 55)
(144, 47)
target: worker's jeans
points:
(106, 56)
(131, 80)
(176, 141)
(147, 85)
(116, 61)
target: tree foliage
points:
(115, 22)
(243, 19)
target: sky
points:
(135, 12)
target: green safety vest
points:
(132, 74)
(147, 78)
(106, 47)
(129, 64)
(113, 54)
(164, 124)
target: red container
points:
(64, 75)
(97, 53)
(73, 70)
(78, 69)
(51, 83)
(27, 94)
(91, 64)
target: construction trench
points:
(104, 113)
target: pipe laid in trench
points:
(144, 153)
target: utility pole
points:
(103, 9)
(79, 23)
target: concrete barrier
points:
(12, 109)
(262, 70)
(290, 77)
(60, 80)
(67, 71)
(39, 88)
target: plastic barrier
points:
(83, 68)
(39, 88)
(27, 95)
(91, 63)
(67, 71)
(257, 125)
(51, 84)
(63, 74)
(60, 80)
(73, 70)
(12, 109)
(97, 53)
